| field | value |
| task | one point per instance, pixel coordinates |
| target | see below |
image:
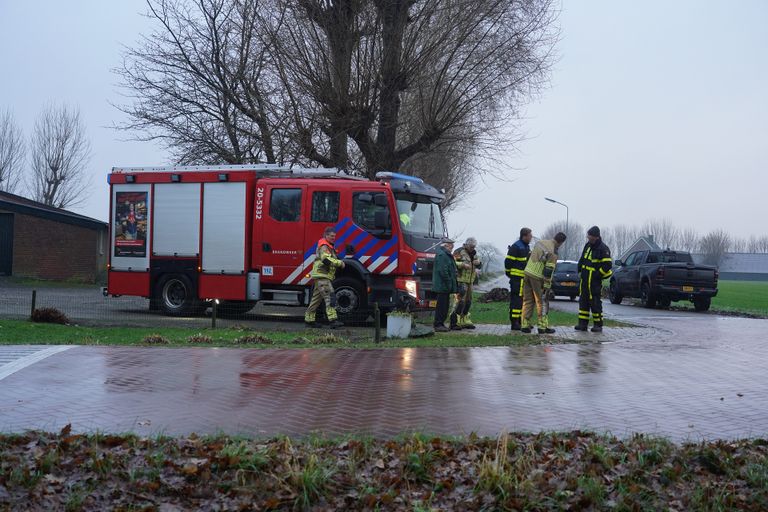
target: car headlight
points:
(411, 288)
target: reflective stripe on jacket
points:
(517, 257)
(596, 258)
(326, 261)
(541, 264)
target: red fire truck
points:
(239, 234)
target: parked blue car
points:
(565, 281)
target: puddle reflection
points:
(590, 358)
(529, 360)
(405, 375)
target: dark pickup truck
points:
(660, 277)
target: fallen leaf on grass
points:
(189, 469)
(54, 480)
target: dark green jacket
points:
(444, 276)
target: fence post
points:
(376, 322)
(213, 313)
(34, 303)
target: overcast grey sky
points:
(655, 109)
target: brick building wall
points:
(46, 249)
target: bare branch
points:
(11, 152)
(60, 154)
(429, 86)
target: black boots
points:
(583, 326)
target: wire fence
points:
(86, 305)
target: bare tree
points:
(762, 244)
(202, 85)
(758, 244)
(60, 154)
(490, 255)
(576, 238)
(714, 245)
(11, 152)
(688, 240)
(621, 237)
(401, 77)
(665, 233)
(368, 85)
(738, 245)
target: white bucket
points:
(398, 326)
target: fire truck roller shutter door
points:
(224, 221)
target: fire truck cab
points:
(240, 234)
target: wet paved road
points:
(688, 377)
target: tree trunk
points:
(394, 17)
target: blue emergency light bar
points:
(386, 175)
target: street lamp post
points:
(566, 213)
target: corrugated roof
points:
(740, 262)
(19, 204)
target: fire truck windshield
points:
(418, 215)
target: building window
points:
(325, 206)
(285, 204)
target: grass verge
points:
(21, 332)
(547, 471)
(746, 297)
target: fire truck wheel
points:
(177, 296)
(350, 302)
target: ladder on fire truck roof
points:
(259, 169)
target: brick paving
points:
(687, 378)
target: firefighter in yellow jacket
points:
(323, 273)
(537, 282)
(467, 264)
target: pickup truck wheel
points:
(177, 296)
(702, 303)
(613, 293)
(351, 304)
(646, 296)
(665, 302)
